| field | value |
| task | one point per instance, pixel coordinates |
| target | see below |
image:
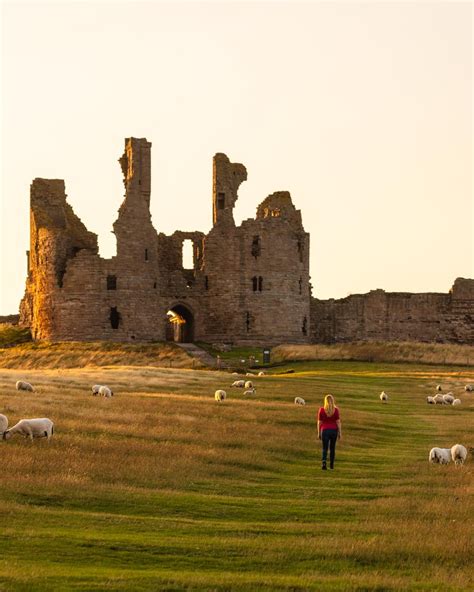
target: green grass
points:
(162, 488)
(13, 334)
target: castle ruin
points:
(249, 284)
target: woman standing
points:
(329, 429)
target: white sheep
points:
(261, 373)
(3, 423)
(22, 385)
(430, 401)
(251, 391)
(448, 399)
(440, 455)
(238, 383)
(220, 396)
(300, 401)
(248, 384)
(31, 428)
(469, 388)
(249, 374)
(438, 388)
(458, 454)
(96, 389)
(105, 391)
(439, 400)
(457, 402)
(383, 397)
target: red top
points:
(328, 423)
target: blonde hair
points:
(329, 405)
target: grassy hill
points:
(162, 488)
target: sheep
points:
(448, 399)
(220, 396)
(469, 388)
(300, 401)
(430, 401)
(383, 397)
(251, 391)
(261, 373)
(440, 455)
(458, 454)
(22, 385)
(105, 391)
(249, 374)
(31, 428)
(248, 384)
(439, 400)
(456, 402)
(438, 388)
(3, 423)
(95, 389)
(238, 383)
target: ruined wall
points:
(383, 316)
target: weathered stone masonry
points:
(248, 284)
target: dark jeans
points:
(329, 438)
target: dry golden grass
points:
(420, 353)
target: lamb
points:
(458, 454)
(220, 396)
(439, 400)
(430, 401)
(261, 373)
(31, 428)
(22, 385)
(448, 399)
(469, 388)
(438, 388)
(251, 391)
(105, 391)
(383, 397)
(300, 401)
(95, 389)
(238, 383)
(248, 384)
(3, 424)
(456, 402)
(440, 455)
(249, 374)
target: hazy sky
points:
(363, 111)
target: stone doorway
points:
(180, 325)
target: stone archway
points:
(180, 325)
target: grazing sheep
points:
(300, 401)
(469, 388)
(448, 399)
(238, 383)
(458, 454)
(105, 391)
(383, 397)
(220, 396)
(456, 402)
(95, 389)
(438, 388)
(31, 428)
(430, 401)
(3, 423)
(261, 373)
(248, 384)
(251, 391)
(249, 374)
(22, 385)
(440, 455)
(439, 400)
(235, 373)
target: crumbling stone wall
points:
(382, 316)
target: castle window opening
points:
(146, 254)
(247, 321)
(260, 283)
(300, 285)
(187, 256)
(220, 201)
(114, 317)
(206, 282)
(111, 282)
(256, 247)
(304, 328)
(300, 250)
(255, 283)
(154, 285)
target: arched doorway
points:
(180, 326)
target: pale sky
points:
(363, 111)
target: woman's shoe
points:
(324, 467)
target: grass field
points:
(162, 488)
